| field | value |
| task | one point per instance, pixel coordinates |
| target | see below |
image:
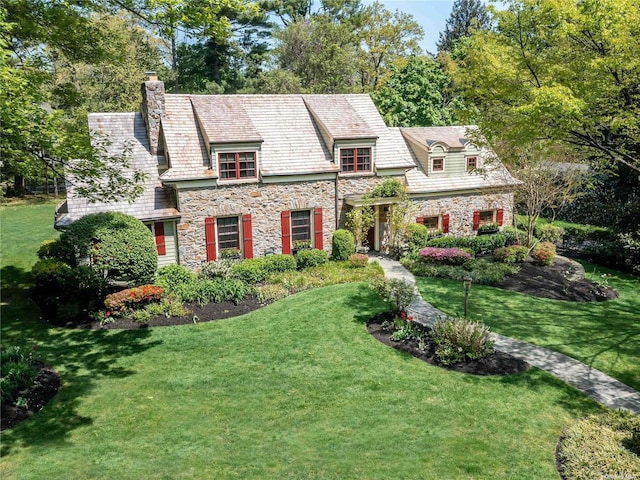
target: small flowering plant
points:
(127, 300)
(447, 256)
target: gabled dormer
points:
(443, 151)
(233, 140)
(351, 141)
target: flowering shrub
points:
(448, 256)
(358, 260)
(126, 300)
(544, 253)
(512, 254)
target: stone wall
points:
(153, 109)
(461, 207)
(264, 202)
(349, 185)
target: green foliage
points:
(221, 268)
(20, 369)
(482, 271)
(598, 447)
(405, 329)
(548, 232)
(514, 236)
(271, 293)
(398, 294)
(342, 245)
(172, 277)
(481, 245)
(251, 271)
(169, 306)
(466, 16)
(389, 188)
(460, 340)
(359, 220)
(445, 256)
(544, 253)
(511, 254)
(310, 258)
(115, 244)
(216, 290)
(49, 249)
(416, 235)
(358, 260)
(415, 94)
(278, 263)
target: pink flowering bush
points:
(544, 253)
(446, 256)
(127, 300)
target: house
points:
(259, 173)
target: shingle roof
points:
(452, 137)
(127, 131)
(337, 115)
(224, 119)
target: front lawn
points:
(605, 335)
(298, 389)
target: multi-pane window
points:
(354, 160)
(486, 217)
(472, 163)
(237, 165)
(301, 226)
(228, 234)
(430, 222)
(437, 165)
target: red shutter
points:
(210, 237)
(420, 220)
(445, 223)
(476, 220)
(500, 216)
(160, 241)
(286, 232)
(317, 227)
(247, 237)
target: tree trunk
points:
(19, 185)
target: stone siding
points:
(352, 185)
(461, 207)
(264, 202)
(153, 109)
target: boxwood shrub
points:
(310, 258)
(172, 277)
(117, 245)
(342, 245)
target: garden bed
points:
(498, 363)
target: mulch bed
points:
(37, 396)
(547, 282)
(498, 363)
(555, 282)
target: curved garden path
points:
(599, 386)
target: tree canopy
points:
(465, 16)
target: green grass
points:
(605, 335)
(298, 389)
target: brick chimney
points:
(152, 108)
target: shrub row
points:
(218, 290)
(256, 270)
(512, 254)
(481, 271)
(310, 257)
(481, 245)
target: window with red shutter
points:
(210, 238)
(285, 217)
(476, 220)
(247, 236)
(500, 216)
(317, 228)
(445, 223)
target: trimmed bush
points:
(271, 293)
(310, 257)
(342, 245)
(482, 271)
(460, 340)
(172, 277)
(544, 253)
(445, 256)
(598, 446)
(514, 236)
(417, 235)
(278, 263)
(512, 254)
(114, 244)
(124, 301)
(548, 232)
(481, 245)
(398, 294)
(216, 291)
(251, 271)
(221, 268)
(358, 260)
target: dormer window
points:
(472, 163)
(437, 164)
(236, 166)
(354, 160)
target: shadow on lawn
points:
(365, 302)
(81, 357)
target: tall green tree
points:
(465, 16)
(415, 94)
(560, 70)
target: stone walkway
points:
(606, 390)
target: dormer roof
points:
(450, 137)
(224, 119)
(338, 117)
